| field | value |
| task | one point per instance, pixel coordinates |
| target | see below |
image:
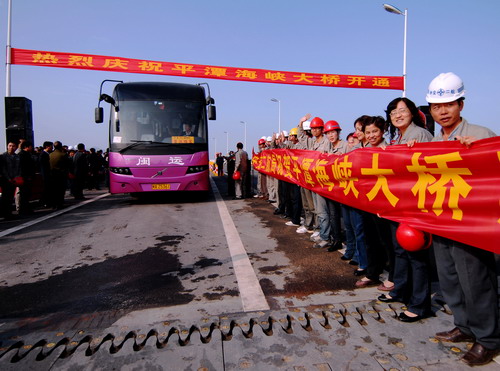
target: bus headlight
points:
(196, 169)
(120, 170)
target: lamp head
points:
(393, 9)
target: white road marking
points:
(251, 293)
(51, 215)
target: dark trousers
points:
(468, 280)
(411, 277)
(335, 215)
(284, 198)
(58, 188)
(379, 249)
(295, 202)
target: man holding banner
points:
(467, 274)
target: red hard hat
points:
(236, 175)
(317, 122)
(412, 239)
(331, 125)
(262, 141)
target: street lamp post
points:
(393, 9)
(245, 143)
(227, 142)
(279, 113)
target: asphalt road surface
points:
(206, 284)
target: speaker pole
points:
(8, 57)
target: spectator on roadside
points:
(48, 147)
(353, 220)
(339, 147)
(231, 185)
(219, 161)
(28, 170)
(80, 171)
(10, 172)
(241, 164)
(320, 143)
(379, 249)
(467, 274)
(411, 269)
(95, 162)
(352, 140)
(59, 168)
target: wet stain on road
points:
(132, 282)
(315, 270)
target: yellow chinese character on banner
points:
(322, 176)
(303, 77)
(216, 71)
(381, 183)
(45, 58)
(247, 74)
(275, 76)
(78, 60)
(116, 63)
(287, 161)
(279, 165)
(438, 180)
(343, 174)
(381, 81)
(183, 68)
(150, 66)
(306, 166)
(330, 79)
(355, 80)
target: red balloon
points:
(412, 239)
(236, 175)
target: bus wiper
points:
(136, 143)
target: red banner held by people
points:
(119, 64)
(440, 187)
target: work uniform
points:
(467, 274)
(411, 269)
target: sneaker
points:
(314, 238)
(321, 244)
(301, 229)
(291, 224)
(310, 231)
(315, 234)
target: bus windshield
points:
(159, 124)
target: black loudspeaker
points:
(429, 121)
(18, 119)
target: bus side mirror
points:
(211, 113)
(99, 113)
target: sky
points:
(356, 37)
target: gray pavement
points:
(343, 330)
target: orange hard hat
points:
(317, 122)
(412, 239)
(236, 175)
(331, 125)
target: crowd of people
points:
(48, 170)
(466, 275)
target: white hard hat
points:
(268, 139)
(264, 137)
(306, 125)
(70, 148)
(285, 133)
(446, 87)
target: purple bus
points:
(158, 137)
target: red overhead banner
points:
(119, 64)
(440, 187)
